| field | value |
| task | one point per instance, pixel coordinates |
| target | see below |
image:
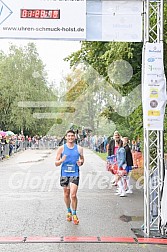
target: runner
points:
(70, 157)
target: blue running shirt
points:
(69, 167)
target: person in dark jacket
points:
(113, 144)
(129, 162)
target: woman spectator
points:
(121, 160)
(129, 162)
(113, 147)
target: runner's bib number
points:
(70, 168)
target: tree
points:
(100, 56)
(23, 79)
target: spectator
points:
(138, 146)
(113, 147)
(133, 145)
(113, 144)
(121, 160)
(10, 146)
(129, 162)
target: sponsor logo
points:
(153, 113)
(155, 50)
(153, 103)
(151, 68)
(151, 59)
(153, 93)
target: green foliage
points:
(100, 55)
(23, 78)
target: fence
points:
(7, 150)
(4, 150)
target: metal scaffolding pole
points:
(153, 139)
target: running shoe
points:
(129, 191)
(118, 191)
(75, 220)
(69, 217)
(123, 194)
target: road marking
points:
(83, 239)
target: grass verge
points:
(102, 155)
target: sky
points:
(51, 52)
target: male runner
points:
(70, 157)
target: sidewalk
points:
(27, 156)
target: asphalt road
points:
(31, 205)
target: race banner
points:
(41, 19)
(103, 20)
(154, 87)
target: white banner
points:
(154, 87)
(91, 20)
(122, 20)
(114, 20)
(54, 19)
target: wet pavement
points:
(32, 206)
